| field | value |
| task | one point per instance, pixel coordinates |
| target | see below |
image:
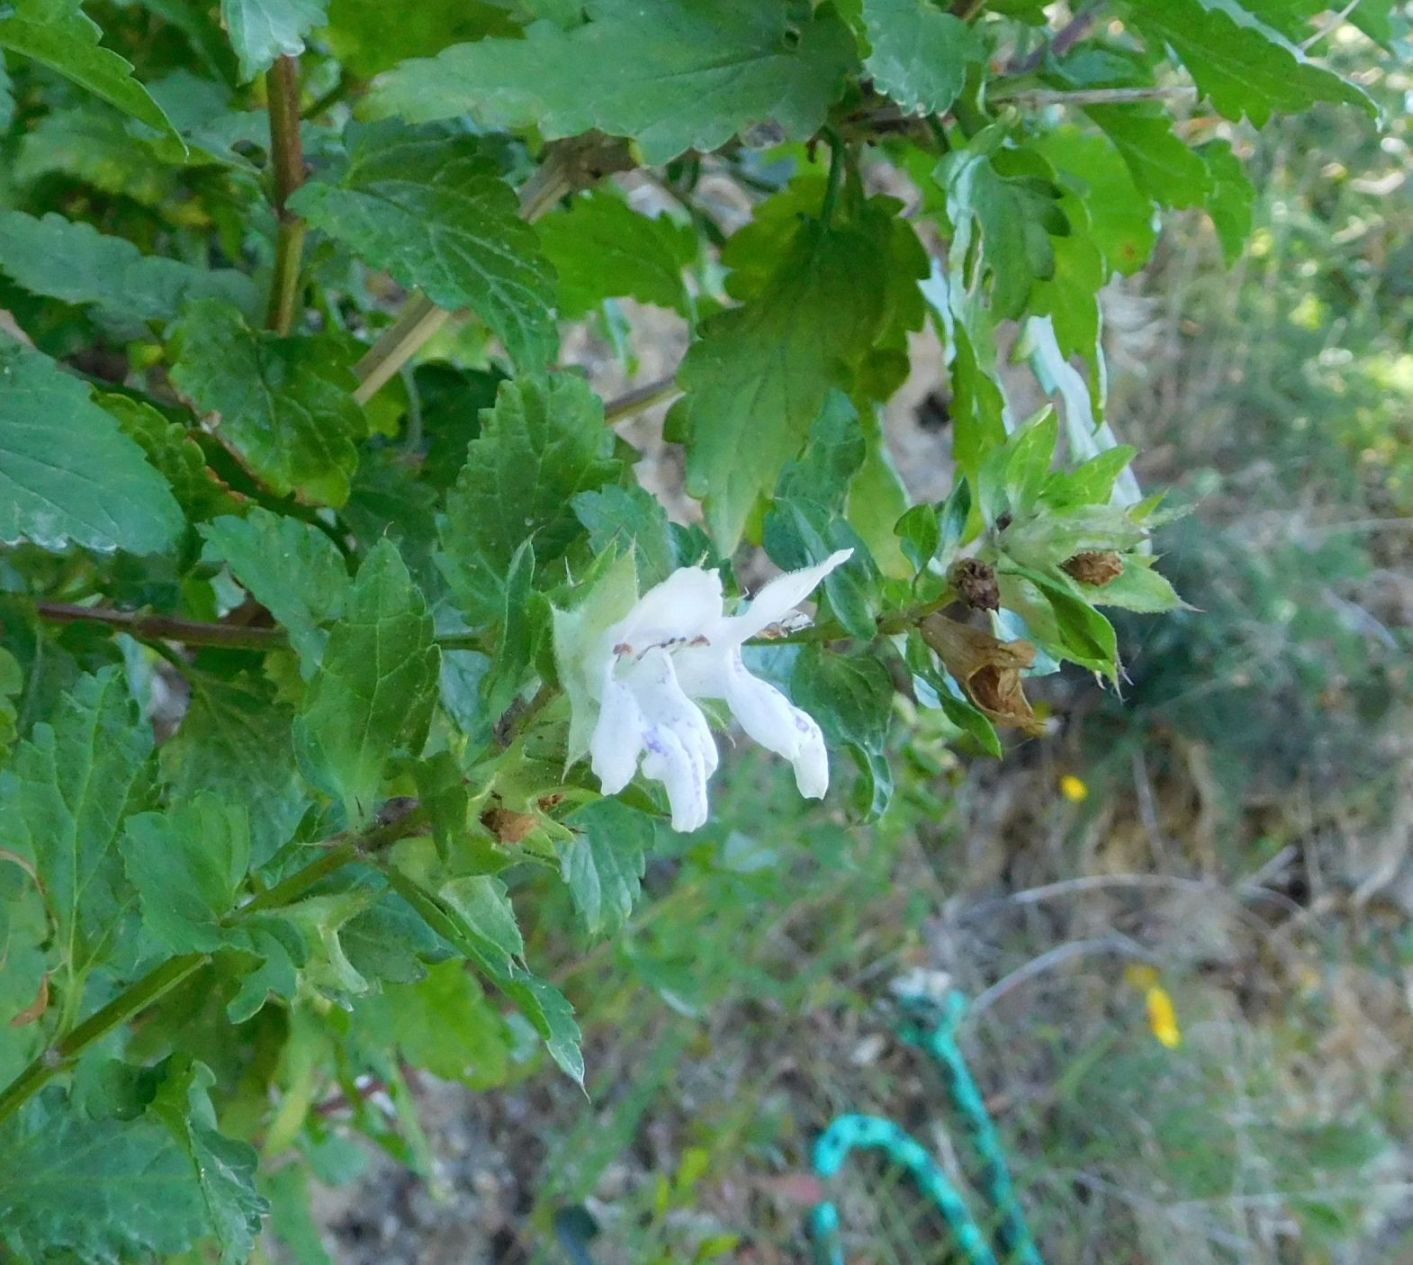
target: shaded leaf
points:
(140, 1195)
(629, 519)
(1242, 65)
(694, 76)
(602, 249)
(920, 54)
(224, 1167)
(235, 740)
(434, 213)
(545, 439)
(603, 864)
(758, 377)
(188, 864)
(262, 30)
(375, 690)
(62, 806)
(283, 406)
(73, 261)
(60, 35)
(67, 472)
(291, 568)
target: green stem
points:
(189, 632)
(838, 157)
(62, 1055)
(288, 890)
(321, 105)
(399, 818)
(287, 163)
(639, 398)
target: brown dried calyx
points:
(975, 582)
(509, 826)
(1096, 567)
(988, 669)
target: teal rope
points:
(936, 1034)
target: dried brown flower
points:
(988, 669)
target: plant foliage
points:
(303, 586)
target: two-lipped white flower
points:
(677, 645)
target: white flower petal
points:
(812, 760)
(679, 608)
(617, 738)
(781, 596)
(763, 711)
(653, 680)
(679, 770)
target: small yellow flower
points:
(1074, 789)
(1162, 1017)
(1162, 1014)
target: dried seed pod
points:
(1096, 567)
(975, 582)
(988, 669)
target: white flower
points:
(677, 645)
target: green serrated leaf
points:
(603, 864)
(432, 211)
(516, 648)
(1091, 483)
(921, 534)
(800, 533)
(187, 865)
(758, 377)
(1161, 164)
(1232, 198)
(1050, 536)
(1005, 211)
(1066, 624)
(235, 740)
(629, 519)
(224, 1168)
(1032, 453)
(94, 145)
(58, 34)
(67, 472)
(920, 54)
(284, 407)
(262, 30)
(369, 38)
(291, 568)
(1121, 218)
(697, 74)
(375, 690)
(140, 1195)
(483, 905)
(62, 806)
(543, 1004)
(1242, 65)
(1140, 588)
(546, 439)
(176, 455)
(850, 696)
(443, 1023)
(602, 249)
(73, 261)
